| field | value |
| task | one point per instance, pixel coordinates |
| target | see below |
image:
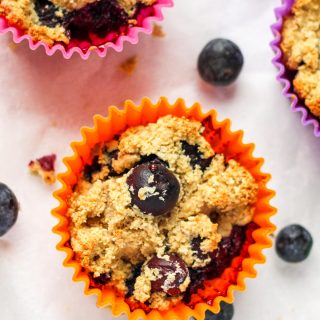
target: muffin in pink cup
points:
(297, 57)
(82, 26)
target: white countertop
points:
(44, 101)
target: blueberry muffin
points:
(300, 47)
(156, 209)
(80, 20)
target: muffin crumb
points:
(12, 45)
(157, 31)
(44, 167)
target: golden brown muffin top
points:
(300, 47)
(111, 235)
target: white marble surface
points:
(44, 101)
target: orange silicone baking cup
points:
(223, 140)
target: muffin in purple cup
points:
(297, 56)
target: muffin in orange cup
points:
(163, 211)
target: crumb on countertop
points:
(12, 45)
(44, 167)
(158, 31)
(129, 65)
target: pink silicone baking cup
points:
(222, 140)
(131, 37)
(285, 76)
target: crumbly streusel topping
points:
(22, 14)
(300, 46)
(127, 5)
(111, 236)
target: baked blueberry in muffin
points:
(300, 47)
(157, 212)
(63, 21)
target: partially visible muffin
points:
(65, 20)
(157, 209)
(301, 51)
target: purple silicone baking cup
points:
(131, 37)
(284, 76)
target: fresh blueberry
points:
(172, 273)
(8, 209)
(220, 62)
(294, 243)
(154, 189)
(226, 312)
